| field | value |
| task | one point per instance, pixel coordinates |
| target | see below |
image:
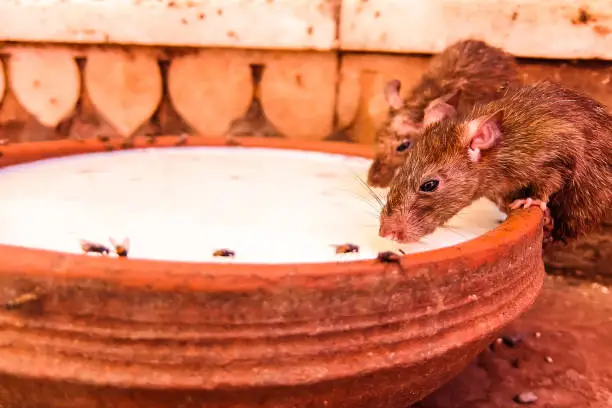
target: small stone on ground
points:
(526, 397)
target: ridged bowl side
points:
(137, 333)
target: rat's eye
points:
(403, 146)
(429, 186)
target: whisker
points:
(369, 189)
(372, 193)
(456, 231)
(365, 200)
(372, 206)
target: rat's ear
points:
(392, 96)
(441, 108)
(483, 133)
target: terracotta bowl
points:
(96, 331)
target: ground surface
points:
(587, 258)
(563, 354)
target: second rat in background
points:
(481, 72)
(540, 145)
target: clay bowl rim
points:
(222, 276)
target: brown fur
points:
(481, 72)
(555, 145)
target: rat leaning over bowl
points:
(540, 145)
(480, 71)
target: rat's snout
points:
(380, 173)
(395, 227)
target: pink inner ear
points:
(483, 133)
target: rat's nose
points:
(397, 236)
(393, 236)
(395, 231)
(389, 231)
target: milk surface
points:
(267, 205)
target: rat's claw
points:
(517, 204)
(528, 202)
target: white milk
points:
(267, 205)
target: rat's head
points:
(440, 176)
(395, 137)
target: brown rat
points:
(542, 145)
(480, 71)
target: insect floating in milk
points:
(93, 247)
(228, 253)
(346, 248)
(122, 248)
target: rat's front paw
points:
(528, 202)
